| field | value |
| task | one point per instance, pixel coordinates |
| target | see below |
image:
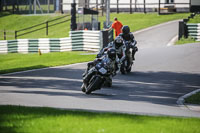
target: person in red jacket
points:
(117, 25)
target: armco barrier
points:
(194, 30)
(78, 41)
(86, 40)
(33, 45)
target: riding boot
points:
(135, 49)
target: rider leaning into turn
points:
(128, 36)
(111, 55)
(118, 45)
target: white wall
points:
(195, 2)
(67, 6)
(139, 3)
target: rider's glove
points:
(98, 56)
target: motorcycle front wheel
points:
(128, 70)
(122, 69)
(93, 85)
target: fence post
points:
(1, 6)
(15, 34)
(117, 6)
(102, 8)
(73, 16)
(159, 8)
(130, 6)
(4, 34)
(47, 28)
(48, 3)
(96, 5)
(182, 30)
(144, 6)
(135, 5)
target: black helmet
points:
(112, 53)
(125, 29)
(118, 42)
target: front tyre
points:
(93, 85)
(108, 82)
(128, 70)
(122, 69)
(83, 88)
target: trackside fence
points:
(45, 25)
(5, 34)
(78, 41)
(189, 29)
(194, 30)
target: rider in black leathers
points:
(128, 36)
(120, 48)
(111, 54)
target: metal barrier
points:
(86, 40)
(183, 30)
(107, 37)
(45, 25)
(8, 34)
(194, 30)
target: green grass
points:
(196, 19)
(18, 62)
(18, 119)
(194, 99)
(136, 22)
(17, 22)
(186, 40)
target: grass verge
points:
(14, 62)
(194, 99)
(136, 21)
(12, 22)
(18, 119)
(196, 19)
(186, 40)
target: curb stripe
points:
(181, 100)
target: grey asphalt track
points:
(159, 77)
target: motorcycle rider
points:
(128, 36)
(120, 48)
(111, 54)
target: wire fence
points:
(7, 34)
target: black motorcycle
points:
(128, 61)
(99, 75)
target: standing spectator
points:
(117, 26)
